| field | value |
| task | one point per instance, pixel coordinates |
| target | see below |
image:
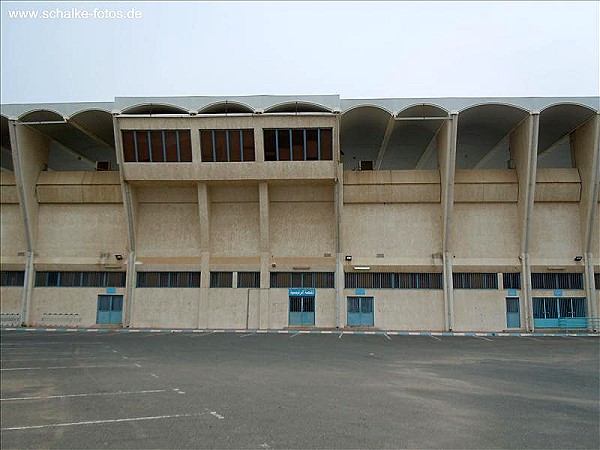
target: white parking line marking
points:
(217, 415)
(154, 375)
(65, 367)
(484, 338)
(57, 358)
(341, 334)
(434, 337)
(294, 335)
(387, 337)
(96, 422)
(246, 335)
(49, 397)
(533, 339)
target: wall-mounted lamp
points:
(348, 257)
(578, 258)
(119, 257)
(362, 268)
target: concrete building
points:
(464, 214)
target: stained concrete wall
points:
(164, 308)
(556, 232)
(479, 310)
(234, 221)
(69, 307)
(12, 234)
(167, 229)
(81, 231)
(301, 221)
(488, 232)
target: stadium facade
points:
(266, 212)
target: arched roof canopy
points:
(297, 107)
(423, 110)
(6, 162)
(227, 107)
(155, 108)
(41, 115)
(484, 135)
(557, 122)
(97, 122)
(361, 132)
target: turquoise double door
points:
(110, 309)
(360, 312)
(559, 312)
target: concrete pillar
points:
(30, 154)
(523, 150)
(585, 147)
(130, 204)
(204, 220)
(196, 145)
(265, 254)
(259, 146)
(446, 144)
(339, 254)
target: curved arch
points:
(226, 107)
(368, 105)
(580, 105)
(484, 131)
(88, 110)
(498, 104)
(423, 110)
(299, 106)
(154, 108)
(41, 115)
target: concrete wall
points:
(12, 234)
(168, 225)
(279, 308)
(410, 230)
(173, 307)
(302, 221)
(234, 221)
(404, 309)
(67, 307)
(556, 232)
(486, 231)
(479, 310)
(80, 231)
(10, 305)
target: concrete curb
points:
(345, 332)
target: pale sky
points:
(355, 49)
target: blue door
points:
(110, 309)
(360, 312)
(302, 311)
(555, 312)
(513, 317)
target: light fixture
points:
(362, 268)
(578, 258)
(119, 257)
(348, 257)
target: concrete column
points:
(30, 154)
(446, 144)
(339, 254)
(196, 145)
(523, 150)
(259, 144)
(131, 208)
(265, 255)
(204, 220)
(585, 147)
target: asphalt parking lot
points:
(247, 390)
